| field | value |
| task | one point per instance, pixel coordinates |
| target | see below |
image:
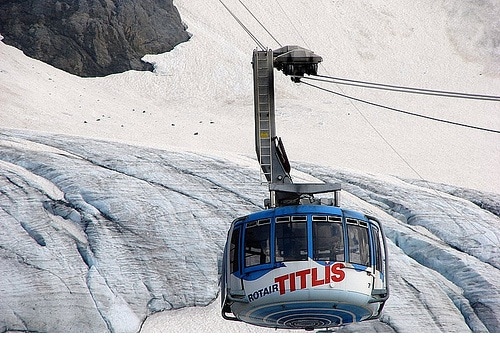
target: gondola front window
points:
(234, 250)
(359, 242)
(291, 238)
(379, 248)
(328, 240)
(257, 244)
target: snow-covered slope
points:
(117, 192)
(130, 231)
(204, 86)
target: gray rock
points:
(92, 38)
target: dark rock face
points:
(92, 37)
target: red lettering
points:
(315, 281)
(327, 274)
(292, 282)
(302, 275)
(334, 273)
(280, 280)
(338, 273)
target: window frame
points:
(291, 220)
(336, 251)
(365, 257)
(252, 225)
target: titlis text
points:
(310, 277)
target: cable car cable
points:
(261, 46)
(262, 25)
(375, 129)
(396, 152)
(360, 112)
(403, 111)
(293, 25)
(451, 206)
(389, 87)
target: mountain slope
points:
(204, 86)
(117, 192)
(124, 232)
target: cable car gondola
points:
(303, 262)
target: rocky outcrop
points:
(92, 38)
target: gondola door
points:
(380, 289)
(231, 285)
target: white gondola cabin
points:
(304, 267)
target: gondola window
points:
(328, 240)
(233, 250)
(359, 249)
(378, 249)
(257, 249)
(291, 238)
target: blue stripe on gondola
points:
(258, 273)
(304, 209)
(359, 267)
